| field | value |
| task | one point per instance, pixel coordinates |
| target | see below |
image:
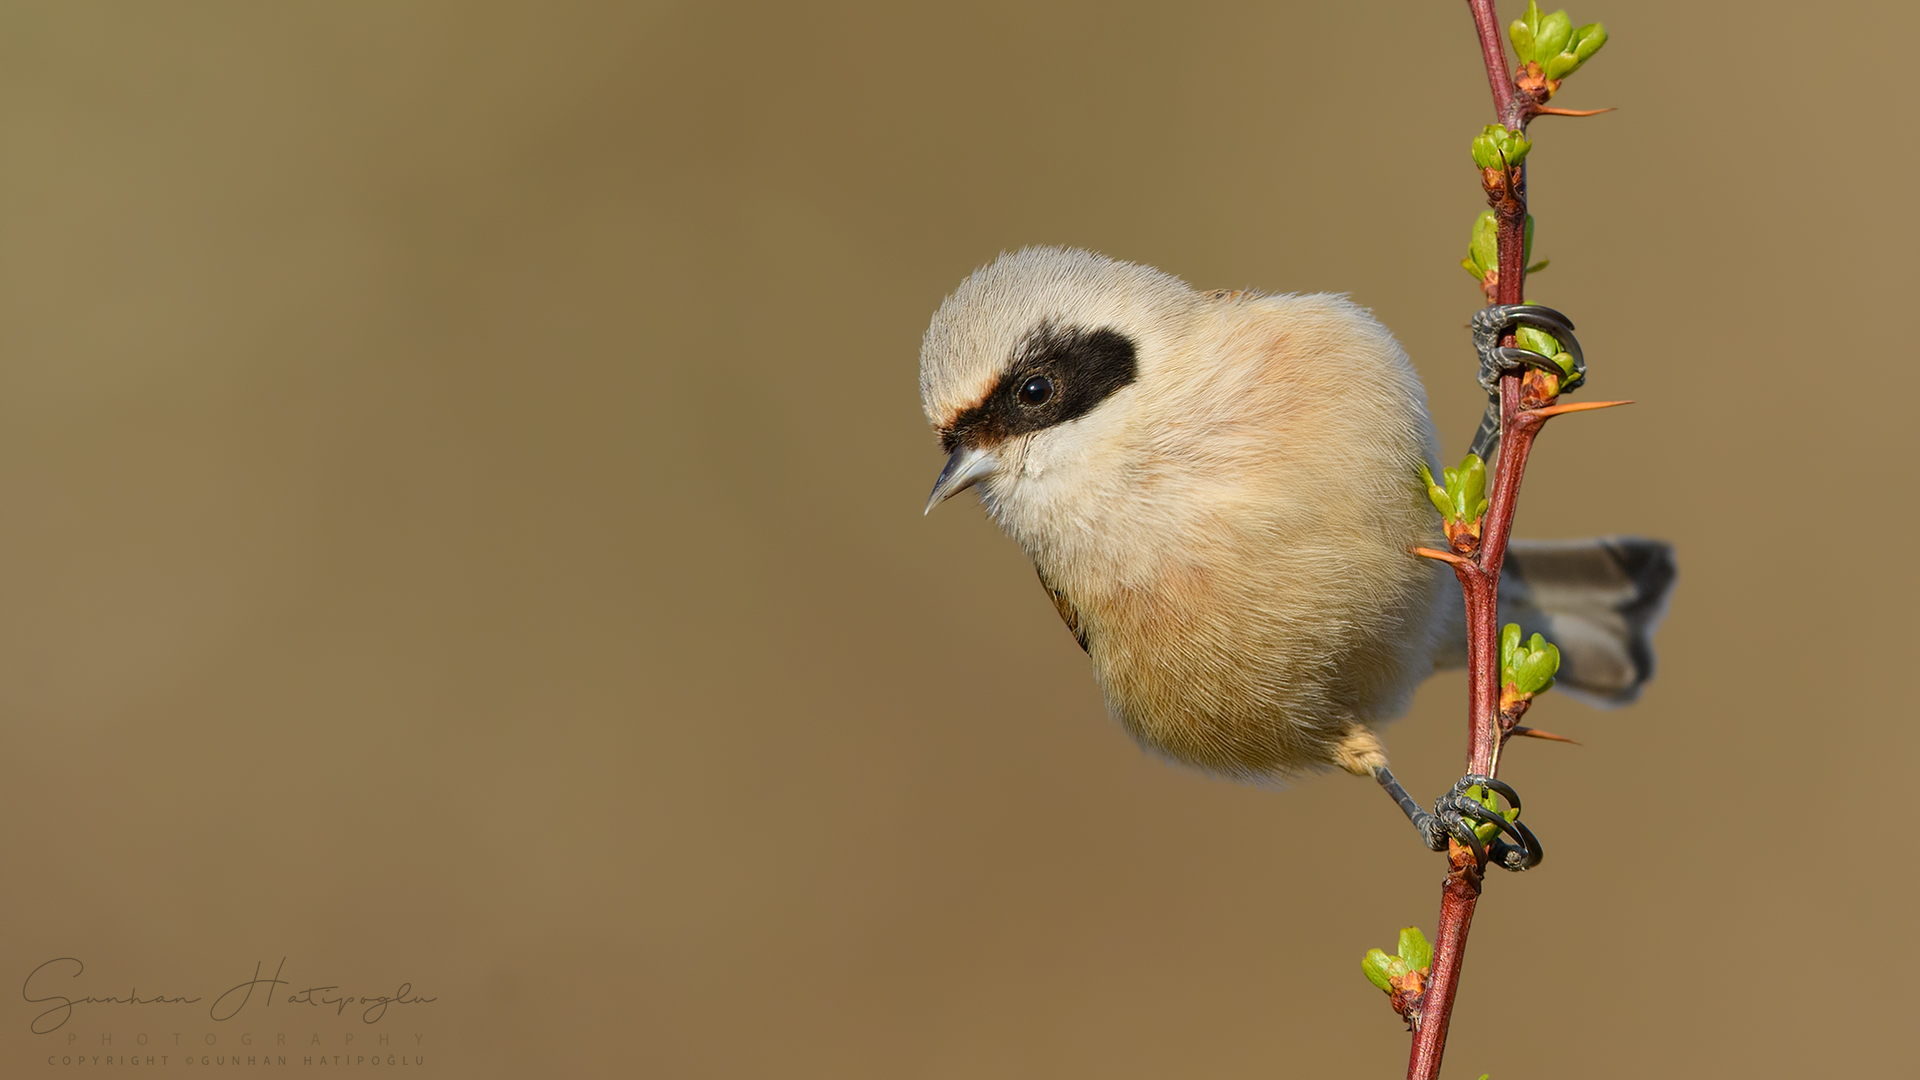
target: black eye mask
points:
(1056, 375)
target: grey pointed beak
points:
(964, 469)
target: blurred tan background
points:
(460, 486)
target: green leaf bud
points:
(1415, 949)
(1483, 246)
(1527, 673)
(1463, 501)
(1565, 59)
(1376, 965)
(1517, 147)
(1587, 41)
(1436, 494)
(1486, 239)
(1484, 830)
(1486, 152)
(1466, 489)
(1536, 340)
(1525, 32)
(1529, 669)
(1541, 666)
(1497, 148)
(1551, 39)
(1473, 484)
(1487, 830)
(1522, 37)
(1552, 42)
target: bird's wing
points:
(1068, 613)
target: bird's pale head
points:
(1029, 367)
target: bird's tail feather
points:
(1598, 601)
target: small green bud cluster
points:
(1552, 42)
(1384, 971)
(1462, 502)
(1487, 830)
(1497, 148)
(1526, 670)
(1546, 345)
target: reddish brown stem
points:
(1480, 579)
(1518, 428)
(1482, 696)
(1494, 52)
(1457, 899)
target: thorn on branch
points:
(1573, 407)
(1536, 733)
(1444, 556)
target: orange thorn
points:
(1544, 111)
(1443, 556)
(1575, 406)
(1536, 733)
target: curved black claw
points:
(1490, 324)
(1498, 787)
(1525, 857)
(1458, 827)
(1466, 806)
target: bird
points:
(1220, 490)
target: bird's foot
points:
(1490, 324)
(1460, 815)
(1463, 813)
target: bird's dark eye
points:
(1038, 390)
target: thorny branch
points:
(1524, 409)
